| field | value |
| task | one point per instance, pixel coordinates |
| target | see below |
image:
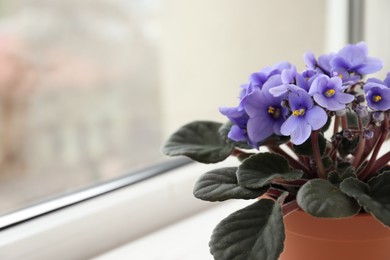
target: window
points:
(98, 85)
(79, 95)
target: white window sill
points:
(186, 240)
(99, 225)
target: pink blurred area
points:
(78, 95)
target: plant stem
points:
(336, 125)
(381, 162)
(240, 154)
(369, 168)
(344, 122)
(361, 146)
(274, 192)
(289, 207)
(317, 155)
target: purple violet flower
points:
(350, 63)
(237, 115)
(291, 81)
(305, 117)
(266, 114)
(329, 93)
(378, 93)
(257, 79)
(239, 118)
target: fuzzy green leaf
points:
(259, 170)
(322, 199)
(200, 141)
(221, 184)
(373, 196)
(254, 232)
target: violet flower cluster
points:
(281, 101)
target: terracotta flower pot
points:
(357, 238)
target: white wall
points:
(209, 49)
(377, 31)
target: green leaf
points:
(320, 198)
(352, 119)
(336, 177)
(373, 196)
(307, 149)
(259, 170)
(221, 184)
(348, 145)
(200, 141)
(254, 232)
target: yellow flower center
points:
(330, 92)
(299, 112)
(340, 76)
(275, 112)
(271, 110)
(376, 98)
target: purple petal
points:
(338, 63)
(301, 82)
(277, 125)
(370, 65)
(328, 103)
(377, 84)
(273, 81)
(289, 125)
(259, 129)
(288, 75)
(253, 103)
(318, 85)
(316, 117)
(300, 99)
(231, 111)
(324, 62)
(344, 98)
(301, 133)
(375, 80)
(257, 78)
(310, 60)
(279, 90)
(387, 80)
(237, 134)
(363, 47)
(354, 54)
(335, 83)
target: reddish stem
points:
(289, 207)
(368, 170)
(317, 155)
(344, 122)
(381, 162)
(361, 146)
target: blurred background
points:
(90, 89)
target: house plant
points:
(309, 142)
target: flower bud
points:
(368, 134)
(347, 134)
(378, 117)
(361, 111)
(360, 98)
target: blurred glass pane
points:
(79, 94)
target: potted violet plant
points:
(301, 174)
